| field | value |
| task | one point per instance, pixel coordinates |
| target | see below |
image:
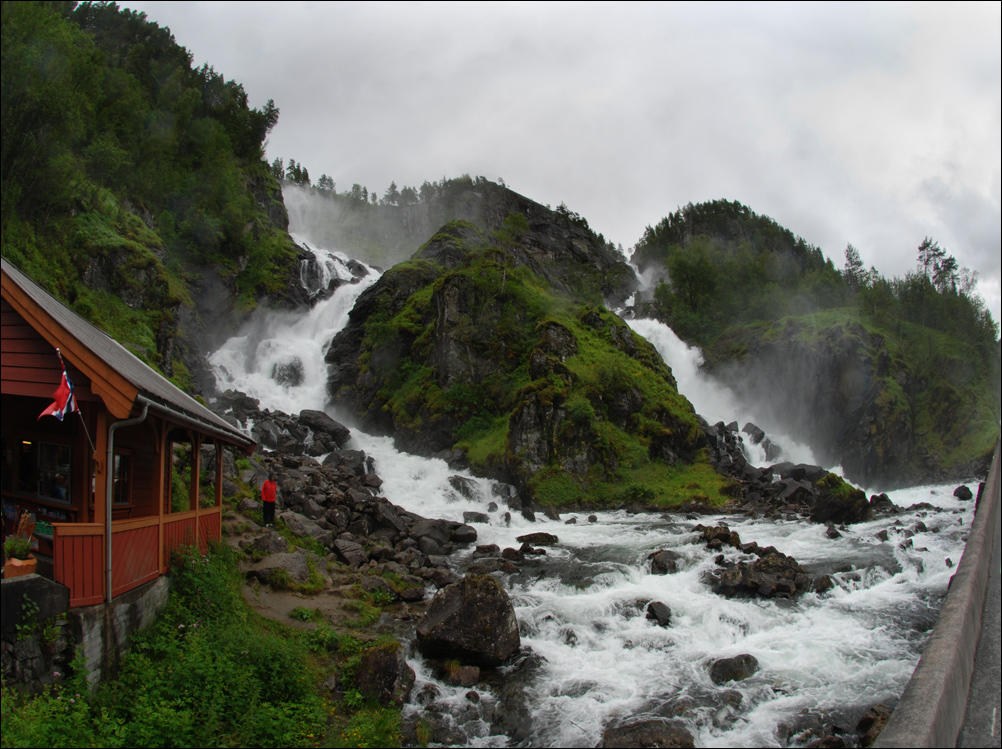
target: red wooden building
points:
(118, 486)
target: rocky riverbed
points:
(461, 593)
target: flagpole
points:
(77, 407)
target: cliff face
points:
(891, 414)
(493, 348)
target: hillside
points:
(897, 380)
(493, 348)
(132, 180)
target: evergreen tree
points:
(854, 273)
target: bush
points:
(17, 548)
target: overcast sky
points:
(871, 124)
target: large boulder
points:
(383, 674)
(301, 526)
(294, 567)
(318, 421)
(657, 732)
(838, 502)
(472, 620)
(664, 562)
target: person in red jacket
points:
(269, 490)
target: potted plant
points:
(19, 558)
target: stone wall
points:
(36, 644)
(40, 639)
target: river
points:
(581, 606)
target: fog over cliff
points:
(871, 124)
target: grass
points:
(209, 672)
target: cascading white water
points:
(578, 609)
(712, 400)
(279, 356)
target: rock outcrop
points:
(656, 732)
(488, 349)
(851, 395)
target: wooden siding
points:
(78, 561)
(210, 523)
(134, 555)
(178, 531)
(30, 365)
(141, 442)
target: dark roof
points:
(153, 386)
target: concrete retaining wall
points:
(932, 707)
(104, 631)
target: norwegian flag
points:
(64, 402)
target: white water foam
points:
(581, 607)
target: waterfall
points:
(581, 607)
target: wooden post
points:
(196, 460)
(219, 473)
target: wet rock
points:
(440, 576)
(831, 532)
(716, 537)
(593, 518)
(494, 564)
(318, 421)
(462, 676)
(872, 723)
(472, 620)
(664, 562)
(412, 595)
(435, 530)
(464, 534)
(350, 553)
(657, 732)
(963, 493)
(270, 542)
(294, 565)
(881, 504)
(513, 555)
(386, 516)
(551, 512)
(528, 514)
(374, 584)
(492, 507)
(540, 538)
(528, 548)
(571, 521)
(822, 584)
(881, 535)
(249, 505)
(302, 526)
(476, 517)
(383, 674)
(738, 668)
(774, 574)
(486, 550)
(659, 612)
(466, 487)
(755, 434)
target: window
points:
(44, 470)
(122, 491)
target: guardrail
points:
(932, 707)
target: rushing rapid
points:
(597, 658)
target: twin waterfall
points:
(581, 607)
